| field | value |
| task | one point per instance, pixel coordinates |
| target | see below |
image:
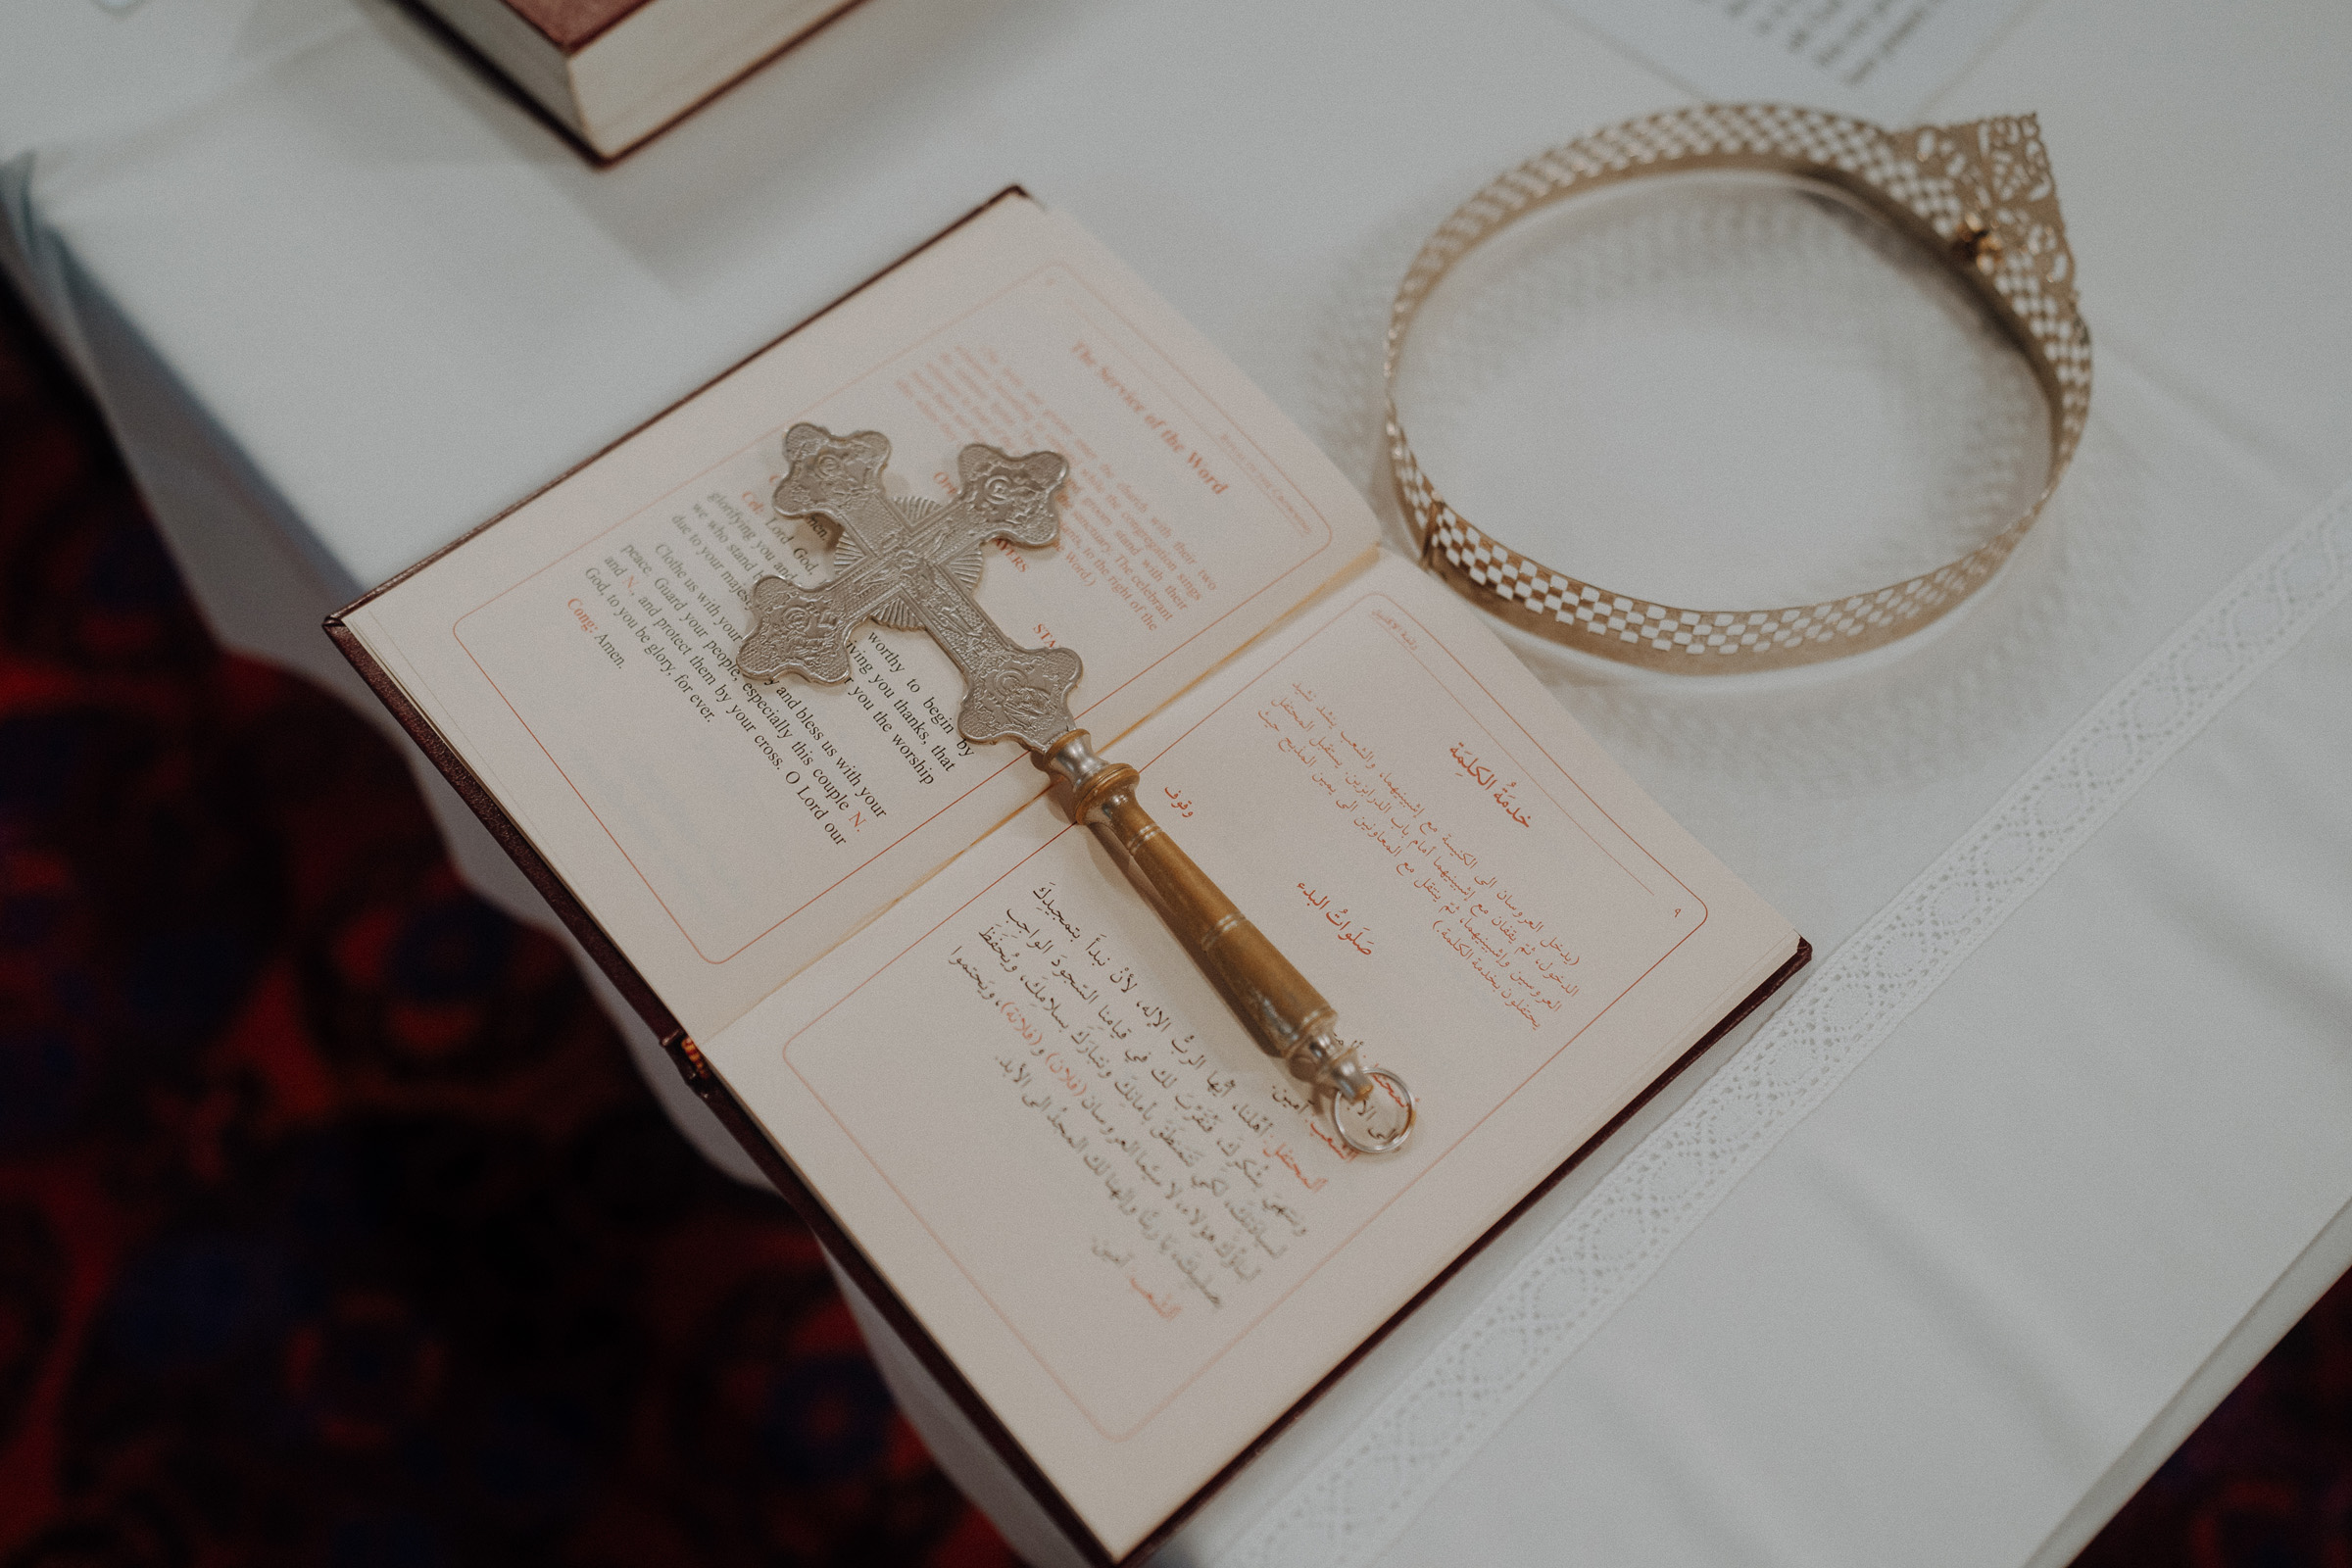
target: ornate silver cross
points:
(912, 565)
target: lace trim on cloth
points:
(1360, 1499)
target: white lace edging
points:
(1361, 1497)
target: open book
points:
(954, 1033)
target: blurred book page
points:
(1883, 60)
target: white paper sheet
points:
(1881, 60)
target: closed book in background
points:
(613, 72)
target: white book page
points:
(579, 653)
(1122, 1221)
(1883, 60)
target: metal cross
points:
(912, 565)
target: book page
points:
(579, 653)
(1884, 59)
(1126, 1225)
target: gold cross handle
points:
(912, 565)
(1371, 1109)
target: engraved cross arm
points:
(912, 565)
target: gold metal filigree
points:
(1979, 197)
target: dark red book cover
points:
(570, 23)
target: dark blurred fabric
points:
(335, 1226)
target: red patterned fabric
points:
(336, 1225)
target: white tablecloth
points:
(341, 299)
